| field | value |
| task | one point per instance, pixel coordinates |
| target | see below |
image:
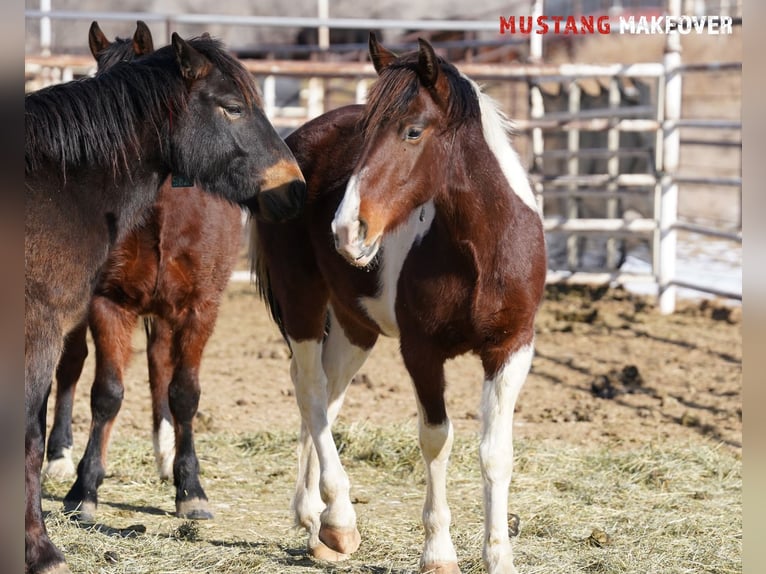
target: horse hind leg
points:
(341, 359)
(111, 326)
(158, 352)
(189, 338)
(498, 401)
(60, 443)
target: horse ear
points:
(428, 65)
(193, 64)
(142, 39)
(97, 41)
(380, 56)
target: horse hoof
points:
(342, 540)
(60, 568)
(60, 468)
(323, 552)
(80, 510)
(194, 509)
(440, 568)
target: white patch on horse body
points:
(395, 248)
(164, 440)
(496, 128)
(498, 401)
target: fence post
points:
(613, 169)
(670, 146)
(45, 29)
(573, 169)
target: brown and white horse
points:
(420, 224)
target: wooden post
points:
(670, 145)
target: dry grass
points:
(670, 508)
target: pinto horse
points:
(96, 152)
(420, 224)
(173, 268)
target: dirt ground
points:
(609, 369)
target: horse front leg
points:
(498, 400)
(41, 555)
(159, 337)
(68, 372)
(111, 326)
(435, 436)
(189, 339)
(336, 527)
(341, 359)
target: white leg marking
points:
(341, 360)
(396, 246)
(311, 394)
(436, 445)
(61, 468)
(164, 440)
(496, 454)
(496, 128)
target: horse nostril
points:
(362, 229)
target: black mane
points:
(98, 121)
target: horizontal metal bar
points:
(712, 143)
(271, 21)
(606, 113)
(707, 289)
(709, 231)
(701, 180)
(711, 67)
(595, 152)
(596, 124)
(705, 123)
(596, 278)
(599, 193)
(599, 225)
(597, 180)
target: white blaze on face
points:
(345, 224)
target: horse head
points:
(223, 140)
(409, 126)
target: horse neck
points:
(477, 201)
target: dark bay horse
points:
(96, 152)
(172, 268)
(420, 224)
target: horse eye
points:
(233, 110)
(414, 133)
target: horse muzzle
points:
(279, 203)
(350, 242)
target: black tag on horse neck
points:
(181, 181)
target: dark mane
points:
(97, 121)
(398, 84)
(121, 50)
